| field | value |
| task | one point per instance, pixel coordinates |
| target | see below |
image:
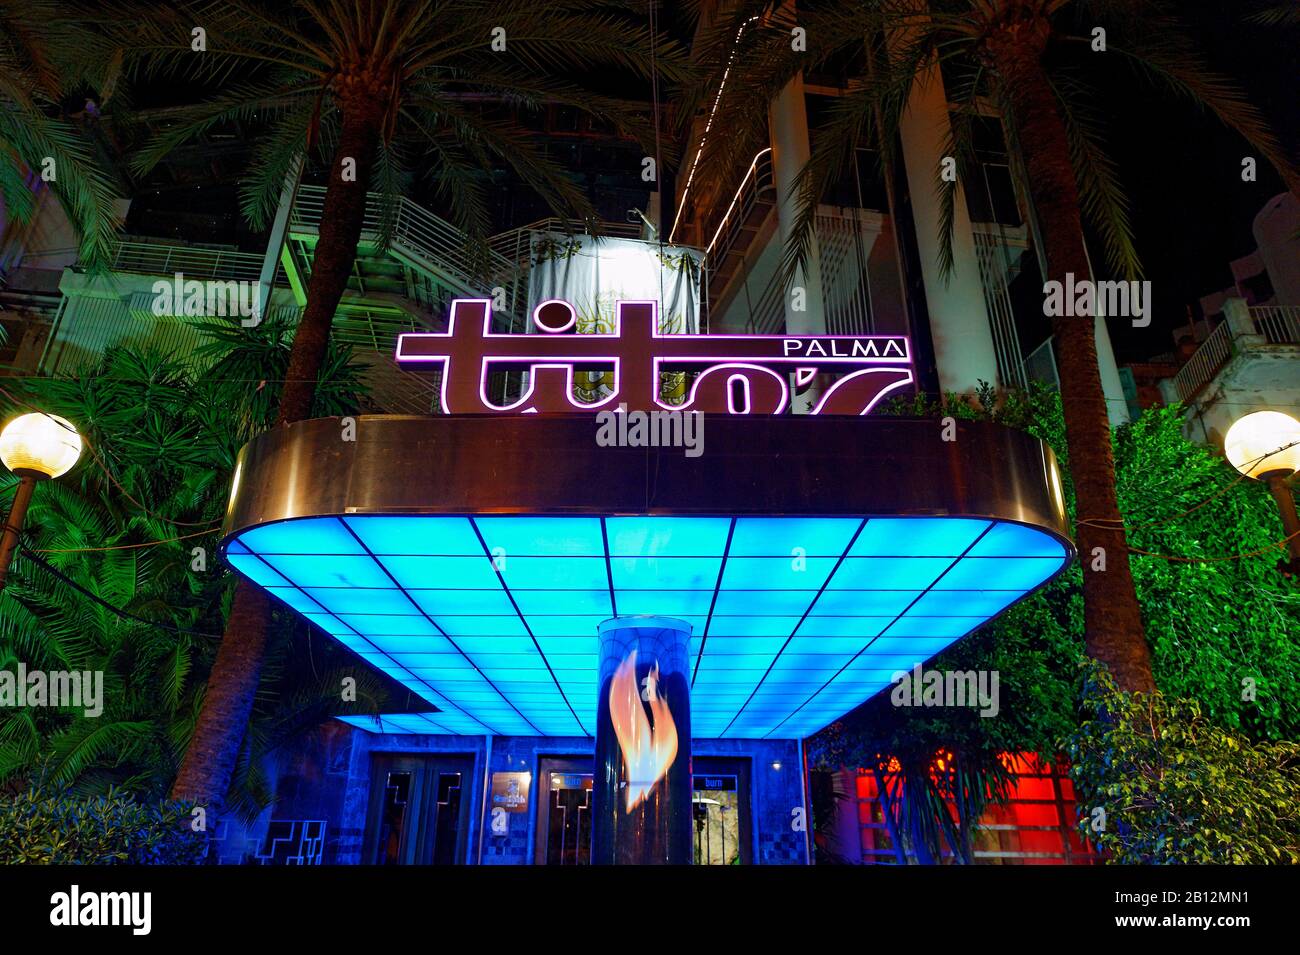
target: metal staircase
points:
(424, 242)
(407, 286)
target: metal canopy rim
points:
(473, 559)
(805, 466)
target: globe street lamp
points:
(35, 447)
(1265, 445)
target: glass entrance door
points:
(564, 812)
(721, 807)
(419, 809)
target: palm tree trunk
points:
(1112, 618)
(219, 733)
(342, 217)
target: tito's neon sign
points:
(734, 374)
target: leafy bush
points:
(1176, 788)
(54, 827)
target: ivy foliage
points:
(1165, 784)
(1223, 632)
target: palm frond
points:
(86, 192)
(1101, 196)
(247, 102)
(277, 158)
(172, 447)
(959, 144)
(1159, 51)
(1283, 14)
(75, 749)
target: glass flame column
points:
(642, 798)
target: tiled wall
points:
(775, 781)
(310, 781)
(517, 845)
(326, 776)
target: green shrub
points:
(1158, 782)
(43, 826)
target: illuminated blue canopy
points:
(492, 619)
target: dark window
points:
(992, 196)
(1257, 288)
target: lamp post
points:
(35, 447)
(1265, 445)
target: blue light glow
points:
(492, 620)
(256, 570)
(777, 573)
(667, 536)
(343, 600)
(447, 536)
(664, 573)
(909, 537)
(783, 537)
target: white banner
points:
(593, 274)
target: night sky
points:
(1181, 168)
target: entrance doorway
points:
(419, 809)
(721, 808)
(721, 801)
(564, 811)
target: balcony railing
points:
(999, 249)
(442, 247)
(148, 258)
(767, 310)
(1279, 324)
(1205, 363)
(1254, 326)
(842, 235)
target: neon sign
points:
(733, 374)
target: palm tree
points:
(935, 776)
(362, 85)
(46, 52)
(1015, 55)
(352, 82)
(162, 434)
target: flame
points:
(648, 750)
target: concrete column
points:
(959, 321)
(1112, 388)
(641, 800)
(788, 121)
(1237, 314)
(275, 242)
